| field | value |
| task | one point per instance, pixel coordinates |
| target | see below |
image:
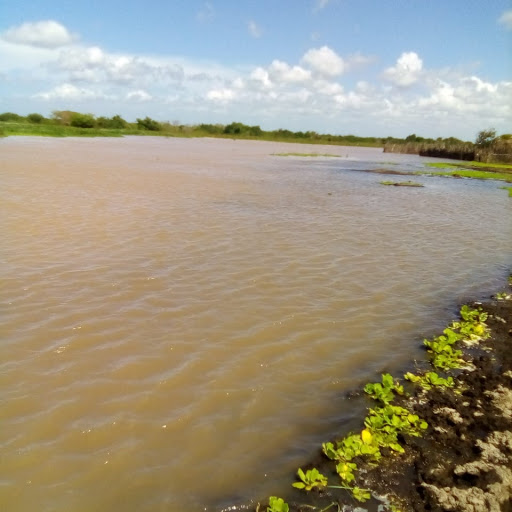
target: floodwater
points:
(182, 319)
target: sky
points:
(435, 68)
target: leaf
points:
(277, 505)
(387, 380)
(361, 495)
(330, 452)
(299, 485)
(366, 436)
(396, 448)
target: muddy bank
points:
(462, 462)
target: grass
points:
(474, 170)
(402, 183)
(444, 165)
(306, 154)
(478, 175)
(49, 129)
(509, 190)
(53, 130)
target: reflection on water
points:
(181, 318)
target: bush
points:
(148, 124)
(82, 120)
(35, 118)
(485, 137)
(116, 122)
(10, 116)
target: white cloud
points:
(312, 94)
(221, 95)
(327, 88)
(70, 92)
(261, 76)
(94, 65)
(324, 61)
(138, 95)
(254, 29)
(281, 72)
(406, 71)
(44, 34)
(358, 61)
(506, 19)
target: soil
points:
(463, 462)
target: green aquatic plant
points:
(472, 328)
(351, 446)
(443, 355)
(346, 471)
(276, 504)
(475, 174)
(384, 392)
(386, 423)
(503, 296)
(466, 165)
(361, 495)
(473, 315)
(509, 190)
(310, 479)
(430, 380)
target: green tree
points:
(486, 137)
(148, 124)
(116, 122)
(10, 116)
(82, 120)
(62, 116)
(35, 118)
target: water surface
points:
(182, 318)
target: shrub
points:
(10, 116)
(82, 120)
(35, 118)
(148, 124)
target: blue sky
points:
(367, 67)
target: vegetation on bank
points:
(66, 123)
(75, 124)
(387, 425)
(487, 147)
(475, 170)
(466, 165)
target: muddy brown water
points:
(181, 318)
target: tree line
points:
(68, 118)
